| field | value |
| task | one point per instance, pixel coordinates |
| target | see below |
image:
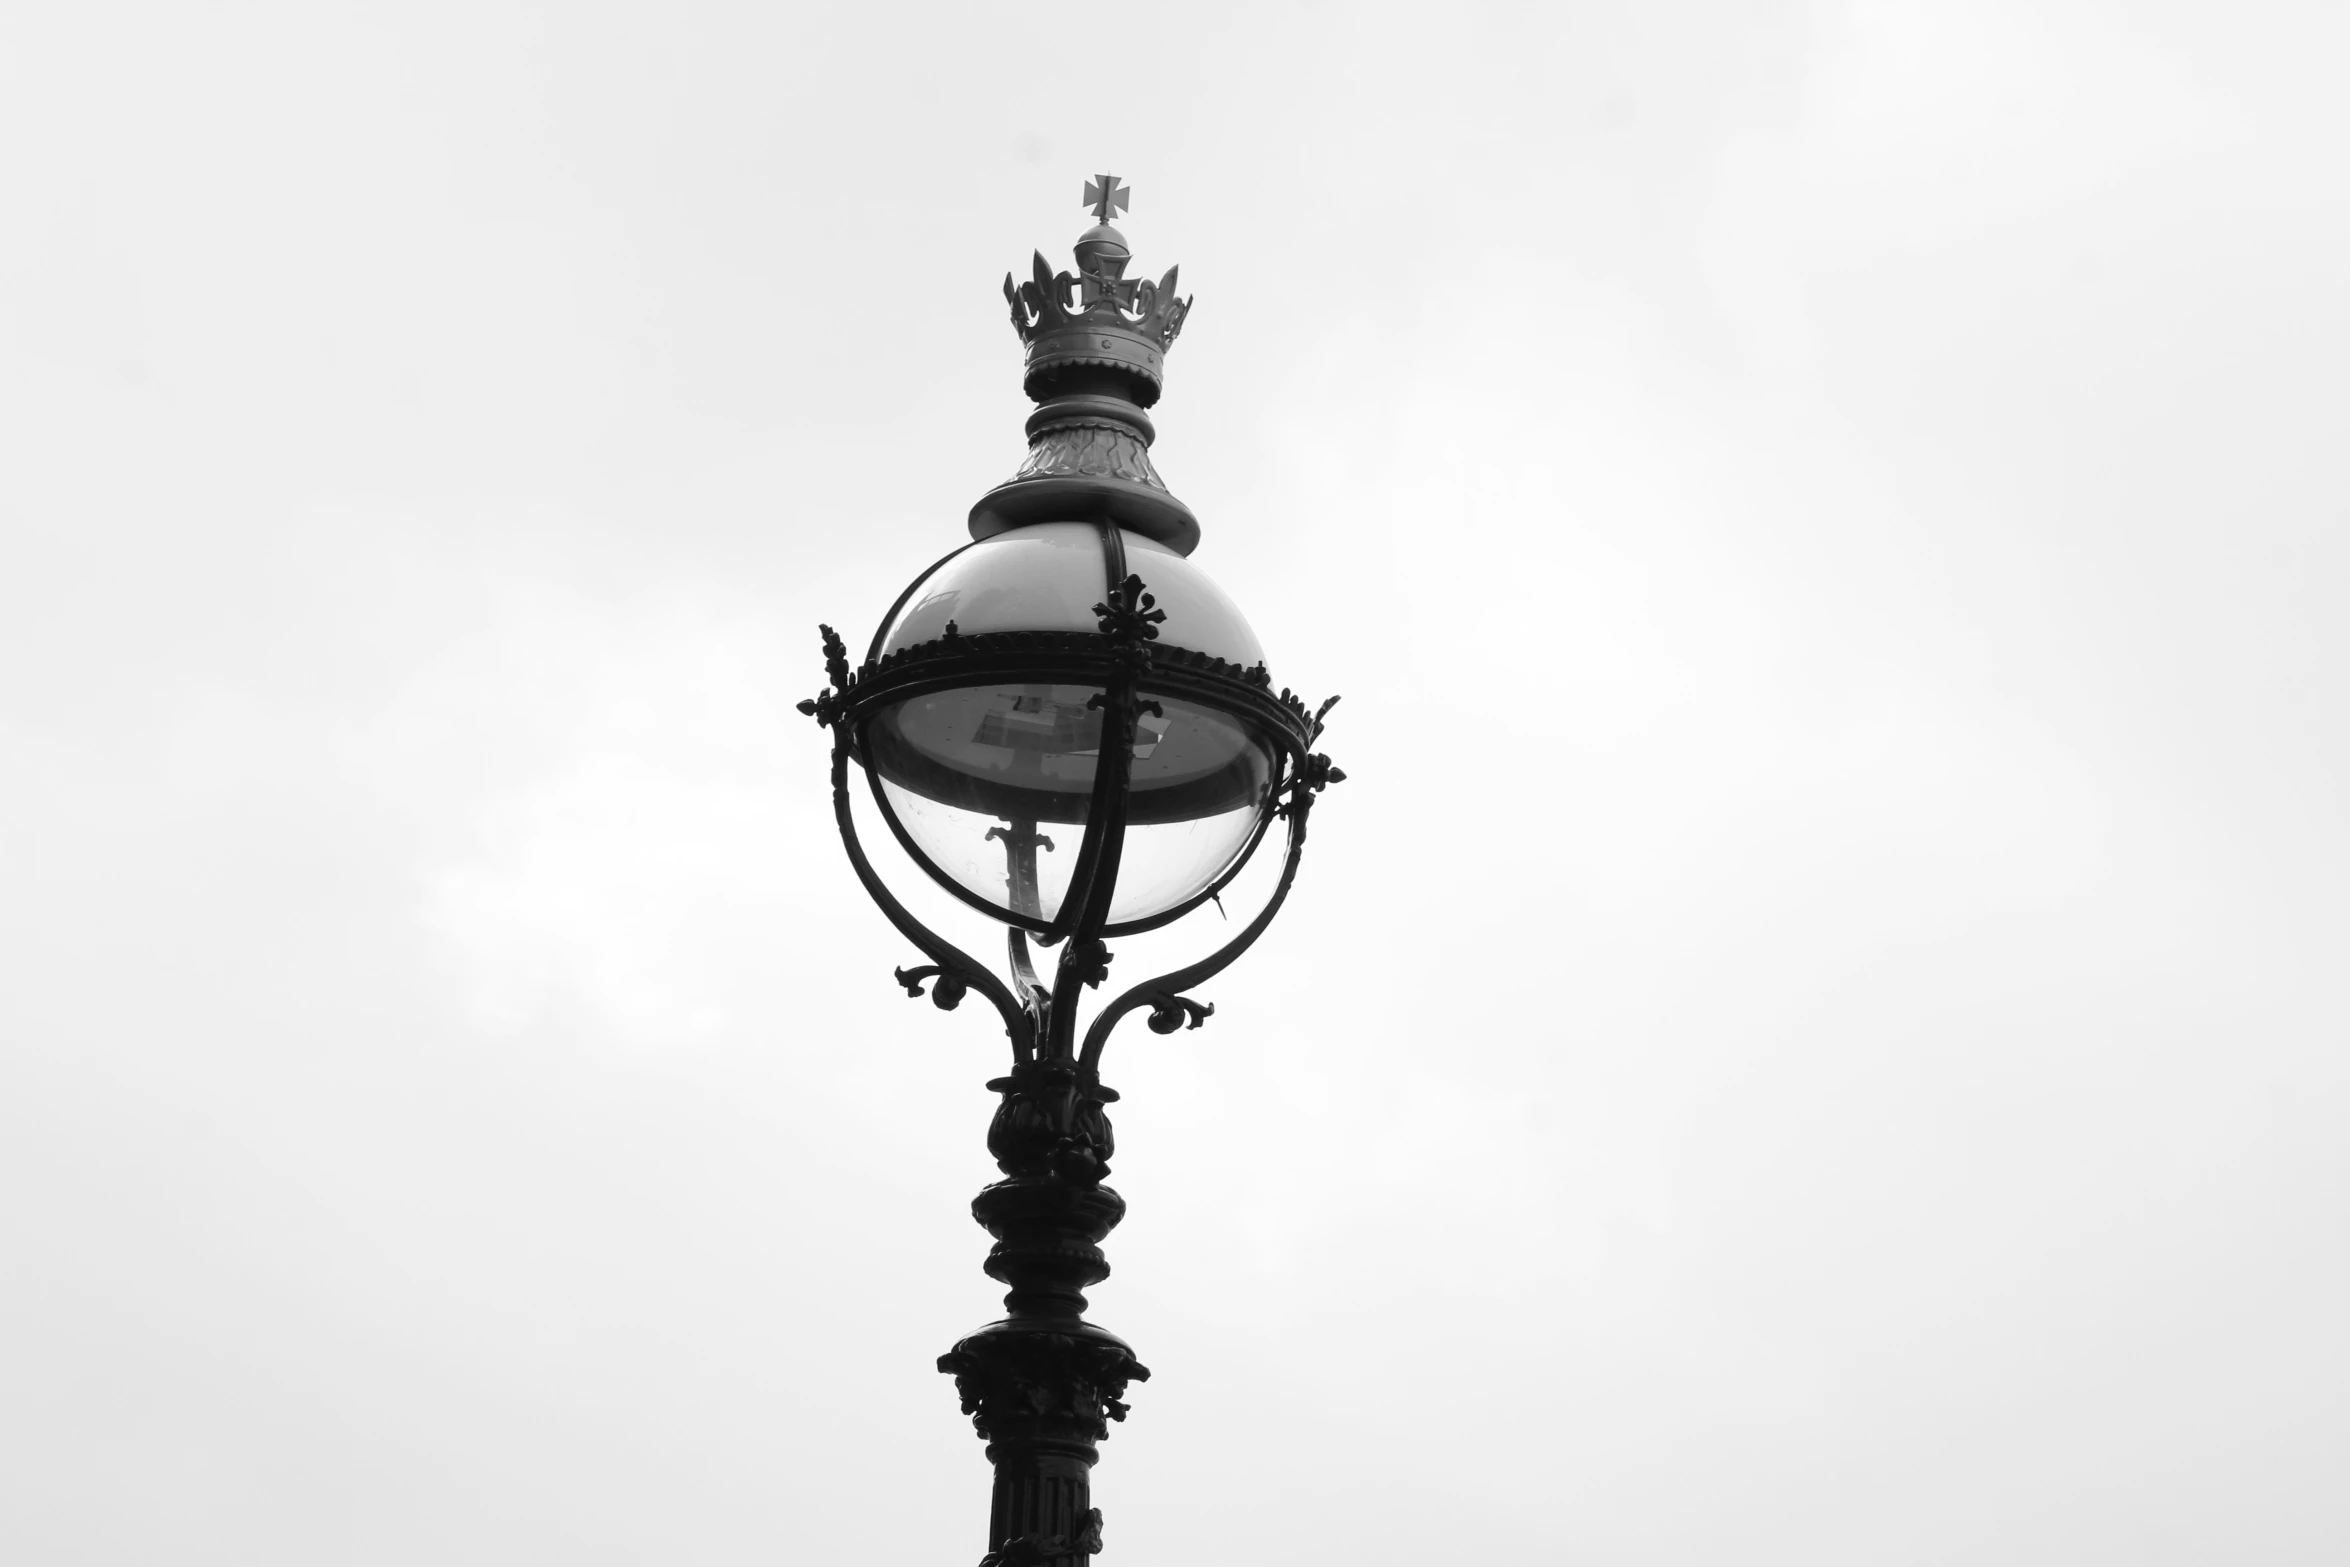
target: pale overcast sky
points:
(1812, 1037)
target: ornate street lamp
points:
(1072, 730)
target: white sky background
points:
(1812, 1036)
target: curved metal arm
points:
(1023, 964)
(1129, 620)
(1037, 994)
(955, 966)
(1161, 994)
(1085, 908)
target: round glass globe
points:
(980, 776)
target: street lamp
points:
(1071, 729)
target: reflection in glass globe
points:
(979, 775)
(1048, 577)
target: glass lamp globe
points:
(989, 783)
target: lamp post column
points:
(990, 707)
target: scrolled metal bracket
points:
(1170, 1013)
(1170, 1008)
(946, 994)
(952, 972)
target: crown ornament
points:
(1098, 316)
(1097, 345)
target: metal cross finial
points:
(1106, 196)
